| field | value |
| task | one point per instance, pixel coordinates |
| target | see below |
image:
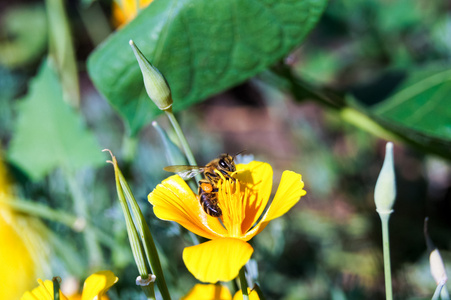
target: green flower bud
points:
(385, 191)
(156, 85)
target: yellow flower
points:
(95, 287)
(216, 292)
(22, 252)
(125, 10)
(208, 292)
(15, 259)
(252, 295)
(242, 203)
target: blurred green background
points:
(323, 106)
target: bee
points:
(208, 191)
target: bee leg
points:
(227, 175)
(212, 176)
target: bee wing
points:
(185, 172)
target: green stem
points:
(40, 210)
(146, 237)
(385, 216)
(441, 292)
(243, 283)
(61, 48)
(149, 292)
(438, 290)
(64, 249)
(80, 206)
(147, 287)
(444, 294)
(257, 288)
(183, 141)
(133, 236)
(56, 288)
(94, 14)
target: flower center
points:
(231, 201)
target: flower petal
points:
(208, 292)
(289, 192)
(97, 284)
(256, 176)
(43, 292)
(16, 255)
(252, 295)
(173, 200)
(217, 260)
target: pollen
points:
(206, 187)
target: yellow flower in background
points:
(94, 288)
(216, 292)
(242, 203)
(18, 268)
(252, 295)
(208, 292)
(125, 10)
(22, 253)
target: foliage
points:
(202, 47)
(52, 130)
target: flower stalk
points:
(259, 291)
(174, 156)
(81, 209)
(134, 240)
(182, 138)
(384, 197)
(386, 250)
(243, 283)
(56, 288)
(147, 286)
(141, 242)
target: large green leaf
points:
(49, 133)
(417, 111)
(202, 47)
(422, 103)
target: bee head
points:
(226, 163)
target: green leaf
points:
(419, 111)
(202, 47)
(24, 35)
(421, 103)
(49, 133)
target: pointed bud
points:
(385, 191)
(133, 235)
(156, 85)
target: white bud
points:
(385, 190)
